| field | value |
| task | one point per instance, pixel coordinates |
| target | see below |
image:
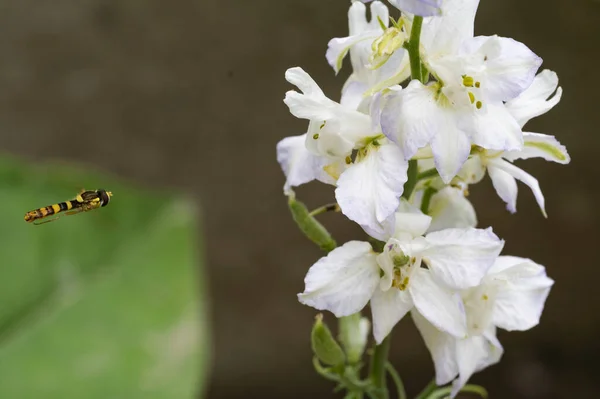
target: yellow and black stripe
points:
(85, 201)
(41, 213)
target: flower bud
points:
(354, 333)
(324, 346)
(384, 46)
(311, 228)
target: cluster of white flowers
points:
(460, 115)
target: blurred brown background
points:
(188, 95)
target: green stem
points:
(427, 174)
(444, 392)
(414, 45)
(397, 380)
(377, 372)
(424, 394)
(429, 191)
(325, 208)
(410, 184)
(324, 372)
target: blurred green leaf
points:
(104, 304)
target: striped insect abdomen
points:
(41, 213)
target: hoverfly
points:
(86, 200)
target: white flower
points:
(533, 102)
(465, 107)
(367, 78)
(299, 165)
(504, 174)
(511, 296)
(348, 278)
(423, 8)
(370, 185)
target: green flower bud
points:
(354, 334)
(311, 228)
(324, 346)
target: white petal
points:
(505, 185)
(410, 117)
(352, 93)
(312, 104)
(526, 178)
(468, 352)
(538, 145)
(510, 66)
(506, 263)
(379, 11)
(451, 148)
(357, 17)
(424, 8)
(522, 291)
(381, 231)
(343, 281)
(326, 139)
(479, 304)
(449, 208)
(440, 306)
(494, 129)
(388, 308)
(520, 310)
(474, 354)
(338, 47)
(473, 170)
(410, 219)
(298, 164)
(302, 80)
(443, 35)
(461, 257)
(442, 347)
(395, 70)
(495, 349)
(369, 191)
(536, 99)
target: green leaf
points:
(104, 304)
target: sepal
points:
(324, 346)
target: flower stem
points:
(325, 208)
(397, 380)
(429, 191)
(414, 45)
(427, 174)
(410, 184)
(444, 392)
(427, 390)
(378, 369)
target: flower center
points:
(402, 274)
(403, 266)
(470, 82)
